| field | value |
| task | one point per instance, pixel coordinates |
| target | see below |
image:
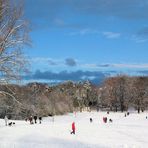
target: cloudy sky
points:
(87, 39)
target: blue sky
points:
(87, 38)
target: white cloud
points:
(115, 65)
(39, 59)
(130, 65)
(88, 77)
(139, 39)
(53, 62)
(84, 31)
(46, 62)
(59, 22)
(89, 65)
(88, 31)
(111, 35)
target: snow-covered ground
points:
(123, 132)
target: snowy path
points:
(124, 132)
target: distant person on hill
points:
(31, 120)
(91, 120)
(73, 128)
(40, 120)
(105, 119)
(6, 120)
(35, 119)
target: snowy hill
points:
(123, 132)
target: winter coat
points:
(35, 117)
(73, 126)
(105, 119)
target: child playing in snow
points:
(73, 128)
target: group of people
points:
(31, 118)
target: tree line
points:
(18, 102)
(119, 93)
(124, 92)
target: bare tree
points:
(13, 36)
(139, 93)
(111, 93)
(116, 93)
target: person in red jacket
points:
(73, 128)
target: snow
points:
(123, 132)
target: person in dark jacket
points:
(91, 120)
(110, 120)
(73, 128)
(35, 119)
(40, 119)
